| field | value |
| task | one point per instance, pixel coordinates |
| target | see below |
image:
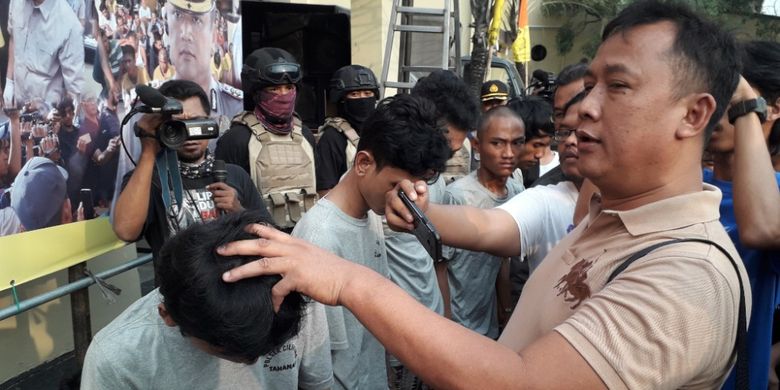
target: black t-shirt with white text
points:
(197, 204)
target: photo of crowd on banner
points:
(70, 68)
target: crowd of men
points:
(52, 112)
(584, 246)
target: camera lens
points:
(173, 134)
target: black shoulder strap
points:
(740, 348)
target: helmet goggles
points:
(280, 73)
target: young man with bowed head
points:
(401, 141)
(197, 332)
(660, 81)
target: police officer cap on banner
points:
(194, 6)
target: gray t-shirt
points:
(411, 268)
(472, 275)
(137, 350)
(358, 357)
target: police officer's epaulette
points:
(231, 91)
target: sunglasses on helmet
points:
(280, 73)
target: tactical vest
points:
(459, 165)
(282, 168)
(345, 128)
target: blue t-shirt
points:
(763, 268)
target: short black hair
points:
(454, 101)
(761, 68)
(536, 113)
(128, 50)
(185, 89)
(64, 104)
(571, 73)
(496, 112)
(403, 132)
(236, 318)
(705, 56)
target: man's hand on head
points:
(398, 216)
(304, 267)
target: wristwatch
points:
(757, 105)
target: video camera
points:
(173, 133)
(543, 84)
(34, 116)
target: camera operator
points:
(140, 209)
(38, 136)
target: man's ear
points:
(474, 143)
(700, 108)
(364, 161)
(166, 317)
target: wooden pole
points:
(79, 312)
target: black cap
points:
(494, 90)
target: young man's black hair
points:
(237, 319)
(64, 104)
(571, 73)
(454, 101)
(407, 136)
(705, 55)
(536, 113)
(760, 62)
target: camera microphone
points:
(541, 75)
(219, 171)
(156, 103)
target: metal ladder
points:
(449, 28)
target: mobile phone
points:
(85, 196)
(423, 229)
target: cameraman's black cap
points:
(494, 90)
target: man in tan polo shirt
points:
(660, 81)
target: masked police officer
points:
(268, 140)
(355, 91)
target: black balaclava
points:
(356, 111)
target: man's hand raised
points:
(398, 216)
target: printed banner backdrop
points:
(71, 81)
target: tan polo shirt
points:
(668, 321)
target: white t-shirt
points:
(544, 168)
(543, 215)
(144, 12)
(9, 222)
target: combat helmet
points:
(352, 78)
